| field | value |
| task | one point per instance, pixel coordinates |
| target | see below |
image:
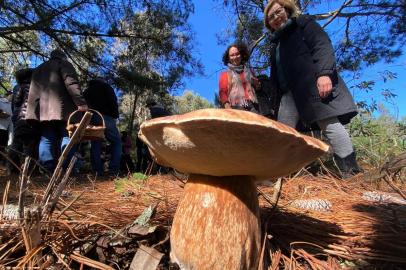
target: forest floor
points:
(318, 223)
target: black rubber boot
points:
(348, 166)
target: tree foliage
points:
(190, 101)
(154, 67)
(378, 139)
(144, 47)
(88, 30)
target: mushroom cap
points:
(225, 142)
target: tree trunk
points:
(130, 126)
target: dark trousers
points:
(3, 144)
(25, 143)
(127, 164)
(143, 157)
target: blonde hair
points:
(289, 5)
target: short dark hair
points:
(24, 75)
(150, 102)
(100, 79)
(242, 48)
(59, 54)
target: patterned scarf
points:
(236, 91)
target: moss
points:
(134, 182)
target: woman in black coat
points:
(304, 69)
(26, 135)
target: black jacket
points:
(306, 53)
(19, 101)
(100, 96)
(267, 96)
(158, 110)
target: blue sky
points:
(208, 21)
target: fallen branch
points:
(51, 207)
(390, 168)
(5, 196)
(394, 187)
(76, 137)
(23, 188)
(70, 204)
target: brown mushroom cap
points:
(225, 142)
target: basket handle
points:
(97, 112)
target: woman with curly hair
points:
(303, 67)
(237, 85)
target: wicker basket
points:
(92, 133)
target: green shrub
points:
(377, 139)
(124, 184)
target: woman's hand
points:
(82, 108)
(324, 85)
(227, 105)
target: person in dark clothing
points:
(144, 158)
(26, 135)
(6, 127)
(156, 110)
(303, 67)
(100, 96)
(126, 160)
(54, 94)
(267, 97)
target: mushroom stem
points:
(216, 225)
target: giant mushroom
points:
(225, 152)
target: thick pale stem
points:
(216, 225)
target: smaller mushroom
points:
(216, 225)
